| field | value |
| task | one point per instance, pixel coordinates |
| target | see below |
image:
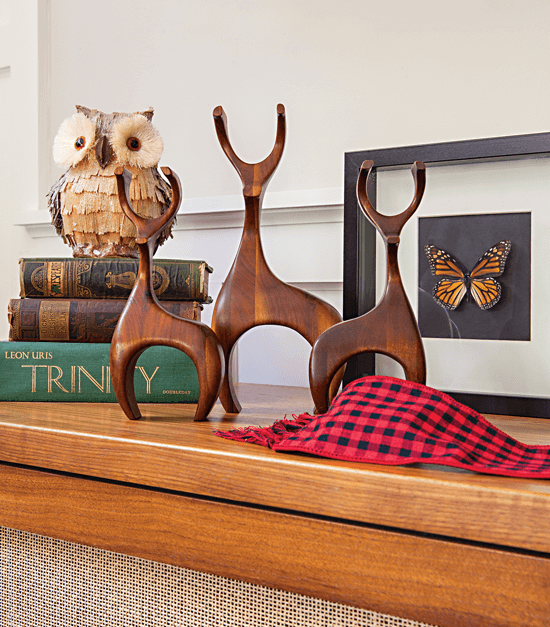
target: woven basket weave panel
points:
(52, 583)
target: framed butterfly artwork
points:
(479, 281)
(475, 263)
(474, 276)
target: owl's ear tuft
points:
(148, 114)
(75, 137)
(136, 141)
(87, 112)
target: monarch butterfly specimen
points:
(480, 280)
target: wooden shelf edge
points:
(382, 571)
(167, 450)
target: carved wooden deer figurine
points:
(145, 323)
(251, 294)
(390, 328)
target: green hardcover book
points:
(58, 371)
(111, 277)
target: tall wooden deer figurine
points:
(145, 323)
(390, 328)
(251, 294)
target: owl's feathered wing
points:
(89, 200)
(164, 190)
(54, 205)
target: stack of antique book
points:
(61, 328)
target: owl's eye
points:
(133, 144)
(136, 141)
(73, 140)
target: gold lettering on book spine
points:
(53, 321)
(55, 285)
(99, 386)
(147, 379)
(50, 280)
(33, 376)
(79, 375)
(52, 379)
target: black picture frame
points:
(359, 281)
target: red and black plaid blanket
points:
(383, 420)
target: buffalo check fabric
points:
(383, 420)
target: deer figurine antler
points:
(144, 323)
(251, 294)
(390, 328)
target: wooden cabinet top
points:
(167, 450)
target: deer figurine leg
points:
(390, 328)
(144, 323)
(123, 386)
(251, 294)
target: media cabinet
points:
(447, 547)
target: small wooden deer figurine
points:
(251, 294)
(390, 328)
(145, 323)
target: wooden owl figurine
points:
(84, 202)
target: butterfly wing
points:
(442, 264)
(486, 292)
(449, 292)
(493, 261)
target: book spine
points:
(111, 277)
(57, 371)
(62, 320)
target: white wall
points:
(352, 74)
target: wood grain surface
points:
(444, 583)
(251, 294)
(390, 328)
(166, 449)
(145, 322)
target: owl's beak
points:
(103, 151)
